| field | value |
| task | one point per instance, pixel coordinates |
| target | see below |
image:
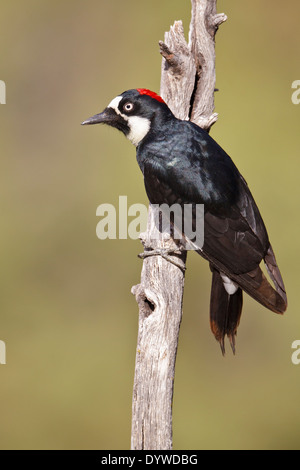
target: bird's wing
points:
(235, 237)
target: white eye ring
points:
(128, 107)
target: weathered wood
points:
(187, 86)
(204, 25)
(159, 297)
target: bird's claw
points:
(166, 255)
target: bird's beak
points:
(108, 116)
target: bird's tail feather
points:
(257, 286)
(275, 275)
(225, 311)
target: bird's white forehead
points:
(115, 103)
(138, 125)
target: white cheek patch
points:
(230, 286)
(139, 127)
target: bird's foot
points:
(168, 255)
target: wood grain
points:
(187, 86)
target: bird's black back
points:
(186, 166)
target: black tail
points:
(225, 311)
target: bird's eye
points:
(128, 107)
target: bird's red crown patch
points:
(144, 91)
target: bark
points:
(187, 86)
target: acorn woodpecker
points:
(182, 164)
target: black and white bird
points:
(182, 164)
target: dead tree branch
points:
(187, 86)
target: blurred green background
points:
(67, 316)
